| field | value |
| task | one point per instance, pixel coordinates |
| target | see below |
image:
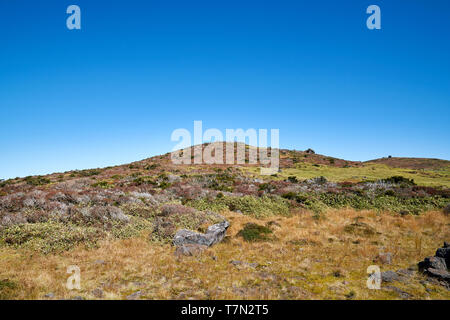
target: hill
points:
(118, 224)
(413, 163)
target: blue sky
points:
(114, 91)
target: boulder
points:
(213, 235)
(442, 275)
(444, 253)
(437, 263)
(437, 266)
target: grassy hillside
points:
(366, 172)
(308, 232)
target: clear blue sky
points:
(114, 91)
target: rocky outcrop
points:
(213, 235)
(438, 265)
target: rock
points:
(389, 276)
(403, 294)
(102, 262)
(437, 267)
(238, 263)
(50, 295)
(135, 296)
(190, 250)
(98, 293)
(433, 262)
(444, 252)
(442, 275)
(406, 272)
(213, 235)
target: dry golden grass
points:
(307, 259)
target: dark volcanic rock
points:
(444, 252)
(440, 274)
(438, 266)
(433, 262)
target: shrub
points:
(293, 179)
(253, 232)
(87, 173)
(132, 229)
(173, 217)
(37, 181)
(104, 184)
(144, 180)
(289, 195)
(50, 236)
(8, 289)
(399, 180)
(249, 205)
(152, 166)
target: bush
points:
(249, 205)
(50, 236)
(253, 232)
(293, 179)
(8, 289)
(173, 217)
(88, 173)
(37, 181)
(399, 180)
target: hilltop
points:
(118, 224)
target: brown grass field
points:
(306, 259)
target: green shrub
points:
(8, 289)
(49, 236)
(400, 180)
(253, 232)
(254, 206)
(88, 173)
(104, 184)
(37, 181)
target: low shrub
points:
(399, 180)
(253, 232)
(257, 207)
(49, 236)
(37, 181)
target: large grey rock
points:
(213, 235)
